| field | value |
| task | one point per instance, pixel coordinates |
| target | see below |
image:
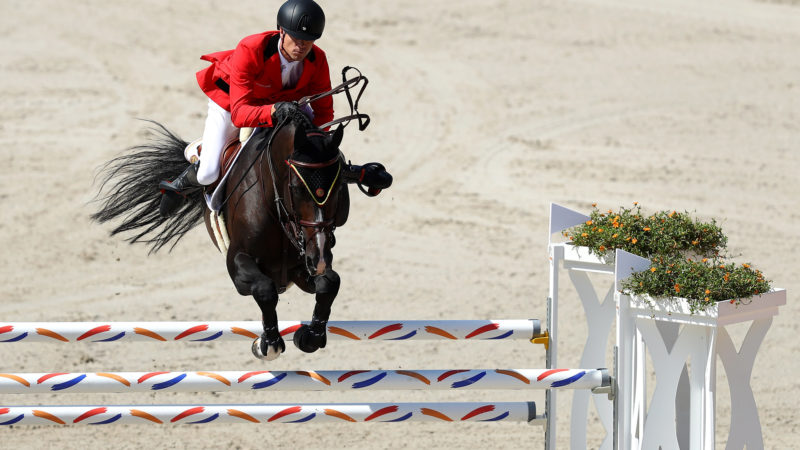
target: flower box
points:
(683, 346)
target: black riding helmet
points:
(302, 19)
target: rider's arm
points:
(246, 110)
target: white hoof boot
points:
(272, 351)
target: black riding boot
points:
(372, 175)
(175, 191)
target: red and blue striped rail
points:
(396, 330)
(264, 414)
(320, 380)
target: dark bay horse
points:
(285, 197)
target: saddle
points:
(226, 158)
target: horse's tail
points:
(129, 190)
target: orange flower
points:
(677, 287)
(705, 259)
(652, 269)
(599, 230)
(635, 203)
(588, 222)
(672, 214)
(707, 298)
(584, 234)
(669, 271)
(746, 266)
(727, 276)
(602, 248)
(708, 291)
(634, 240)
(615, 224)
(614, 235)
(695, 242)
(594, 204)
(646, 228)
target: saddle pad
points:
(214, 199)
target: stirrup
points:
(184, 184)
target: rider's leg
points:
(219, 130)
(218, 133)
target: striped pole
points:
(287, 413)
(321, 380)
(217, 331)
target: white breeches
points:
(218, 133)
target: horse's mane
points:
(295, 117)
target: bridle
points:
(291, 224)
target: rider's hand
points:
(280, 110)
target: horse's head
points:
(314, 193)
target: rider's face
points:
(295, 49)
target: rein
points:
(345, 86)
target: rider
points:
(246, 85)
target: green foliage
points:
(701, 282)
(663, 233)
(667, 238)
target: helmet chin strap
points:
(283, 51)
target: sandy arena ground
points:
(484, 111)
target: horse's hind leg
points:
(309, 338)
(249, 280)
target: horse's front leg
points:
(250, 280)
(309, 338)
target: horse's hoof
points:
(308, 341)
(264, 351)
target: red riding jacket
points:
(247, 81)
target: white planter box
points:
(675, 309)
(683, 347)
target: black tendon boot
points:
(175, 191)
(372, 175)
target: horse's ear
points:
(300, 139)
(336, 138)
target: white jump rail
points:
(320, 380)
(395, 330)
(266, 414)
